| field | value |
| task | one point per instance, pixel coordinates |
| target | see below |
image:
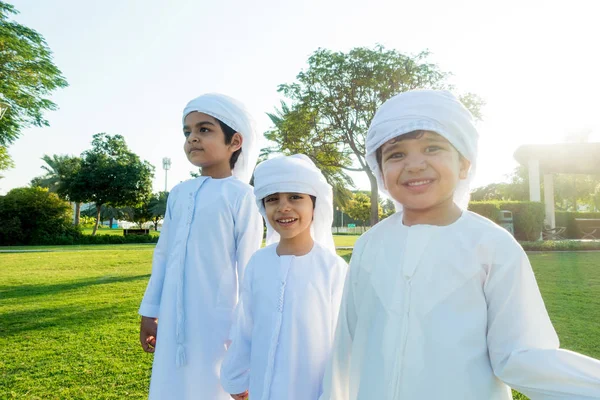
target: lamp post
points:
(166, 167)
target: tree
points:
(5, 161)
(359, 207)
(111, 175)
(60, 171)
(27, 76)
(158, 207)
(34, 216)
(570, 191)
(335, 99)
(387, 208)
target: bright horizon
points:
(132, 66)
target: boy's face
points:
(422, 173)
(290, 214)
(205, 141)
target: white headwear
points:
(432, 110)
(234, 114)
(296, 174)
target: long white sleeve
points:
(235, 369)
(336, 382)
(248, 233)
(523, 346)
(151, 301)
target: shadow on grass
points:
(73, 318)
(12, 292)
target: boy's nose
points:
(415, 164)
(284, 205)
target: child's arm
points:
(236, 365)
(336, 382)
(151, 301)
(522, 343)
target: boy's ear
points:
(465, 165)
(236, 142)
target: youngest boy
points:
(291, 291)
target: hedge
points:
(528, 216)
(567, 219)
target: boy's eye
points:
(295, 197)
(432, 149)
(270, 199)
(396, 155)
(203, 129)
(186, 134)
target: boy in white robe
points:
(441, 303)
(291, 291)
(210, 230)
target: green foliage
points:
(573, 191)
(528, 216)
(334, 100)
(87, 221)
(158, 207)
(570, 191)
(387, 208)
(359, 208)
(60, 172)
(27, 76)
(34, 216)
(488, 209)
(111, 174)
(561, 245)
(567, 219)
(5, 160)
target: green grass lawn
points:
(69, 324)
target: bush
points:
(34, 216)
(567, 219)
(561, 245)
(528, 216)
(488, 209)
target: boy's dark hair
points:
(410, 135)
(229, 132)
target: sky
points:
(132, 66)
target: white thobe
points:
(211, 229)
(450, 312)
(285, 325)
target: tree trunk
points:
(98, 208)
(374, 198)
(77, 213)
(156, 225)
(111, 222)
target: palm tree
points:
(59, 168)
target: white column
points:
(549, 199)
(74, 207)
(534, 181)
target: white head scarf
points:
(234, 114)
(432, 110)
(296, 174)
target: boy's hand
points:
(148, 328)
(241, 396)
